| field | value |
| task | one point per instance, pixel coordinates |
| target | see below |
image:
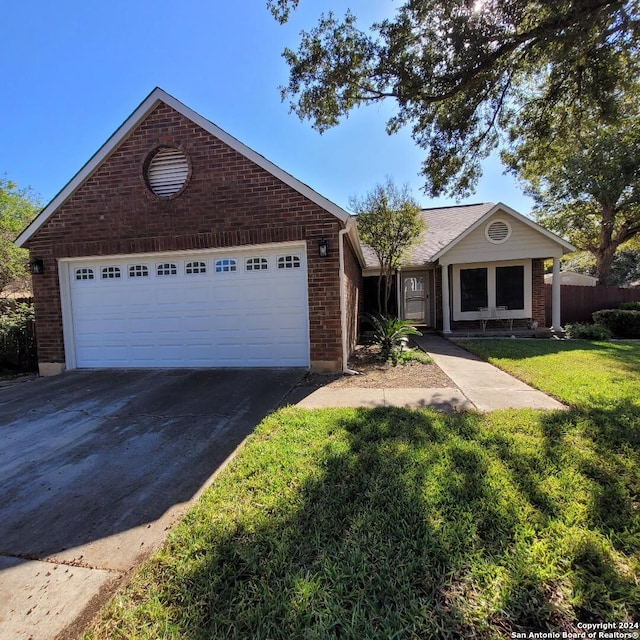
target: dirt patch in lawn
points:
(375, 374)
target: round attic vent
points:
(498, 231)
(167, 171)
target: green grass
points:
(583, 374)
(411, 355)
(390, 523)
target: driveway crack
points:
(75, 562)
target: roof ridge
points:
(458, 206)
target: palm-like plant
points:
(389, 333)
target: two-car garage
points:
(176, 245)
(219, 308)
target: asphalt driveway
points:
(95, 466)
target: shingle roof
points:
(444, 225)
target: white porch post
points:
(446, 313)
(555, 297)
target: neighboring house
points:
(572, 278)
(472, 257)
(178, 246)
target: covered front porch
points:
(487, 298)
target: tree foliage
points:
(586, 183)
(17, 208)
(389, 222)
(460, 71)
(625, 266)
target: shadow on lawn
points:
(421, 527)
(592, 457)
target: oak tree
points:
(460, 72)
(586, 182)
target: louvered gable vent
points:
(498, 232)
(167, 172)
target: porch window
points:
(506, 284)
(510, 287)
(474, 292)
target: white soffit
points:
(156, 97)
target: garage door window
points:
(226, 264)
(138, 271)
(167, 269)
(257, 264)
(108, 273)
(84, 274)
(289, 262)
(195, 267)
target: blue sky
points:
(73, 71)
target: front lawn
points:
(389, 523)
(583, 374)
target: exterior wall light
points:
(36, 266)
(323, 248)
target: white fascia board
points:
(149, 104)
(355, 241)
(566, 246)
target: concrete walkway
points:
(480, 386)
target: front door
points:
(415, 298)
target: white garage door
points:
(225, 309)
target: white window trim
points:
(201, 265)
(166, 266)
(230, 267)
(110, 277)
(136, 271)
(84, 271)
(288, 266)
(256, 266)
(491, 287)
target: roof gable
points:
(504, 209)
(447, 227)
(156, 97)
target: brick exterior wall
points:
(228, 201)
(353, 293)
(437, 296)
(538, 304)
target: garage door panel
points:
(242, 318)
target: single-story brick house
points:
(178, 246)
(472, 257)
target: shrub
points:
(630, 306)
(389, 333)
(17, 337)
(412, 355)
(622, 323)
(584, 331)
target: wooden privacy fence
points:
(578, 303)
